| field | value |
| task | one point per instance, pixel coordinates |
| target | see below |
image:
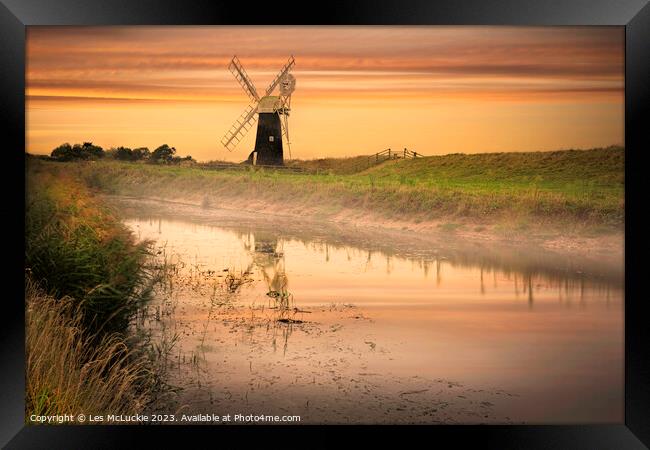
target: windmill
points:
(270, 111)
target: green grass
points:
(74, 247)
(572, 188)
(86, 278)
(338, 166)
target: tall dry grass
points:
(77, 248)
(69, 372)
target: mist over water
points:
(384, 327)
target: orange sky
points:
(359, 90)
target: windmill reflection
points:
(527, 281)
(268, 257)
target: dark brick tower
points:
(268, 143)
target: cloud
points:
(487, 88)
(138, 61)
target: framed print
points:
(377, 217)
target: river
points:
(378, 326)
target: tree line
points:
(88, 151)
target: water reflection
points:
(546, 325)
(528, 273)
(266, 252)
(525, 279)
(268, 258)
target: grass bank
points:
(85, 279)
(69, 371)
(562, 190)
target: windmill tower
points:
(270, 111)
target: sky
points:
(359, 90)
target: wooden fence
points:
(387, 154)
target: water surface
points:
(388, 327)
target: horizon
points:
(613, 146)
(436, 90)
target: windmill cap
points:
(268, 104)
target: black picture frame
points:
(634, 15)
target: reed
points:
(86, 280)
(76, 248)
(69, 371)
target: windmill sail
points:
(241, 126)
(286, 68)
(242, 77)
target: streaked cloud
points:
(68, 66)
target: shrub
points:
(66, 152)
(164, 154)
(123, 153)
(77, 249)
